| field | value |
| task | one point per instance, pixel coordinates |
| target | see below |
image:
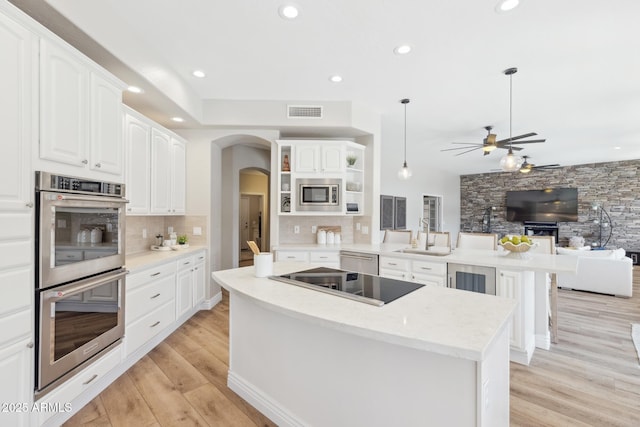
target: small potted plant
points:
(351, 160)
(182, 239)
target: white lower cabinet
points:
(190, 283)
(16, 363)
(519, 285)
(60, 399)
(412, 270)
(325, 258)
(150, 304)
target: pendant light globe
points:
(404, 172)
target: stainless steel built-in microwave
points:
(321, 195)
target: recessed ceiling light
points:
(402, 49)
(177, 119)
(507, 5)
(617, 148)
(134, 89)
(288, 11)
(199, 73)
(335, 78)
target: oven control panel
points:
(50, 182)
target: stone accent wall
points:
(614, 185)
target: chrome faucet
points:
(425, 229)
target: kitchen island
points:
(436, 356)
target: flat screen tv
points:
(550, 205)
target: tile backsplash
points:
(347, 225)
(159, 225)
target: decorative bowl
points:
(518, 251)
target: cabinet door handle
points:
(98, 165)
(392, 263)
(290, 257)
(29, 205)
(155, 296)
(187, 263)
(30, 345)
(426, 268)
(155, 274)
(155, 324)
(85, 161)
(90, 379)
(324, 257)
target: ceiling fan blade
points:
(530, 141)
(461, 148)
(467, 143)
(513, 138)
(468, 151)
(514, 148)
(547, 166)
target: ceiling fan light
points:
(510, 162)
(488, 148)
(525, 169)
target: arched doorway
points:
(253, 212)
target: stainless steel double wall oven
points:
(80, 274)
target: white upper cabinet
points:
(156, 167)
(64, 106)
(106, 126)
(137, 135)
(178, 176)
(319, 157)
(17, 83)
(80, 113)
(160, 172)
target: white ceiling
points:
(578, 83)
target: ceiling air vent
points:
(304, 112)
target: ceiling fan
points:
(489, 143)
(527, 167)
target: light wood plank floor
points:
(590, 378)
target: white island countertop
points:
(440, 320)
(499, 259)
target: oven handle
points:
(87, 284)
(68, 196)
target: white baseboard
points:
(262, 403)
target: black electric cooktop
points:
(361, 287)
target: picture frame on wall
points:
(386, 213)
(400, 213)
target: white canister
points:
(263, 264)
(337, 238)
(322, 237)
(331, 238)
(96, 235)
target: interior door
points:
(244, 222)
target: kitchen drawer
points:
(142, 330)
(151, 274)
(393, 274)
(324, 256)
(200, 256)
(146, 298)
(185, 263)
(429, 279)
(302, 256)
(394, 263)
(79, 383)
(427, 267)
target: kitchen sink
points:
(422, 252)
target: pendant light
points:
(405, 172)
(510, 162)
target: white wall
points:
(429, 181)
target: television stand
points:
(541, 229)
